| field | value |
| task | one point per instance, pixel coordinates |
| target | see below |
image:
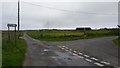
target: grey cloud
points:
(36, 17)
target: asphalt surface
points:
(87, 52)
(102, 48)
(40, 54)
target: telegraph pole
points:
(18, 17)
(119, 31)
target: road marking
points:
(63, 48)
(88, 60)
(98, 64)
(80, 53)
(105, 62)
(75, 51)
(94, 58)
(86, 56)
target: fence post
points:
(8, 33)
(15, 35)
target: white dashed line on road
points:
(105, 62)
(88, 60)
(75, 51)
(86, 56)
(63, 48)
(80, 53)
(98, 64)
(94, 58)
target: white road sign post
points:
(11, 25)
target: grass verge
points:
(13, 55)
(117, 41)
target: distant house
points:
(83, 28)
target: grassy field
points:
(54, 35)
(66, 35)
(12, 55)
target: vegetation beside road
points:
(101, 33)
(66, 35)
(117, 41)
(12, 55)
(56, 35)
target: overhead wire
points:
(70, 11)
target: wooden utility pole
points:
(18, 17)
(119, 31)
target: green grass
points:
(117, 41)
(13, 55)
(101, 33)
(53, 35)
(65, 35)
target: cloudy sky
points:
(64, 15)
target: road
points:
(87, 52)
(102, 49)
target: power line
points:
(67, 10)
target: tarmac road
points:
(41, 53)
(103, 49)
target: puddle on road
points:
(64, 56)
(69, 60)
